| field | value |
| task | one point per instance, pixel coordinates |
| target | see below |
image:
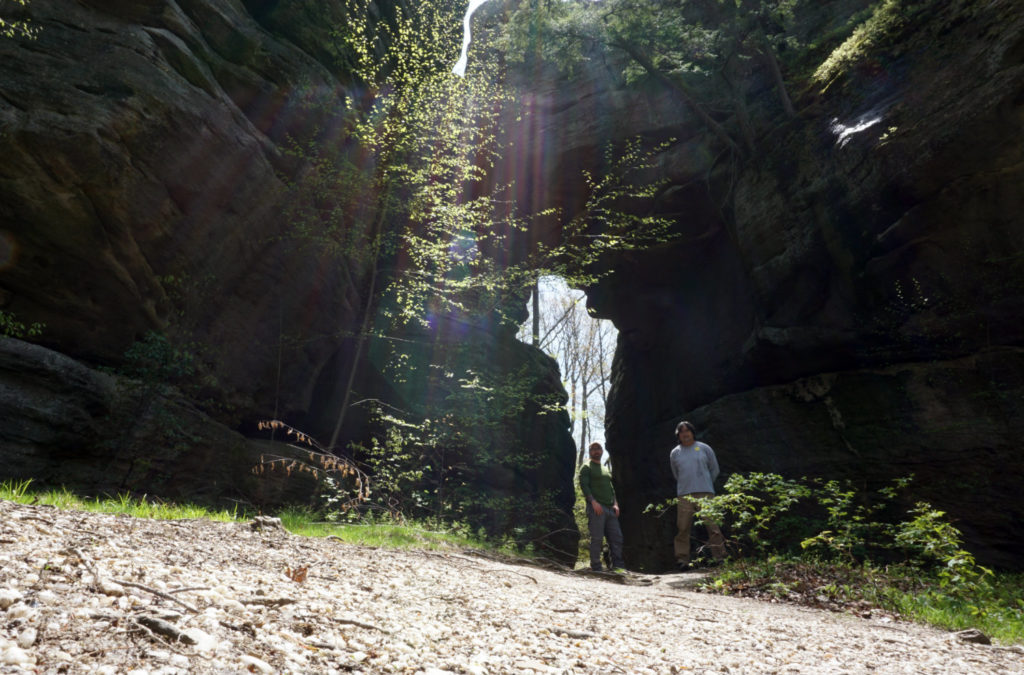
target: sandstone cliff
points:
(845, 301)
(148, 185)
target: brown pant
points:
(684, 521)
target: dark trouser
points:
(601, 526)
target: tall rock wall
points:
(845, 301)
(142, 187)
(859, 316)
(149, 154)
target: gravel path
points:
(89, 593)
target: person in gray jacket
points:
(695, 469)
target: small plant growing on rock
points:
(155, 359)
(11, 327)
(343, 485)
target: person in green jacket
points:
(602, 510)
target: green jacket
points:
(596, 482)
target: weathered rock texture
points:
(66, 424)
(142, 180)
(846, 301)
(148, 152)
(860, 313)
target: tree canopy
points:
(706, 52)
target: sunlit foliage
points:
(703, 51)
(401, 198)
(10, 27)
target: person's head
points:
(595, 452)
(686, 433)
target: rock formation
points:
(150, 149)
(846, 301)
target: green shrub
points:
(831, 520)
(11, 327)
(156, 359)
(397, 478)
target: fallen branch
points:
(368, 626)
(166, 596)
(519, 573)
(269, 602)
(39, 518)
(161, 627)
(189, 589)
(246, 628)
(577, 634)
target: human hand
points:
(597, 506)
(615, 508)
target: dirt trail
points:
(111, 594)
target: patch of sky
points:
(460, 65)
(582, 346)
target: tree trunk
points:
(743, 118)
(364, 329)
(682, 90)
(768, 54)
(734, 77)
(584, 423)
(536, 312)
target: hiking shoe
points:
(682, 566)
(619, 570)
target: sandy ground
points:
(90, 593)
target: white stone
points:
(251, 662)
(15, 656)
(110, 588)
(9, 596)
(204, 641)
(47, 598)
(27, 637)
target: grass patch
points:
(382, 533)
(998, 612)
(62, 498)
(994, 607)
